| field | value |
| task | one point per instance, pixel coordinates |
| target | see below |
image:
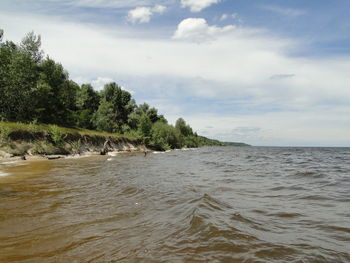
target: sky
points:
(263, 72)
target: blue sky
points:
(266, 72)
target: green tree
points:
(18, 78)
(184, 129)
(165, 137)
(145, 127)
(118, 104)
(7, 50)
(87, 104)
(105, 116)
(56, 95)
(31, 45)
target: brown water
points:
(205, 205)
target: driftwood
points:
(53, 157)
(104, 150)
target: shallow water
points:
(220, 204)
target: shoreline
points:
(64, 156)
(25, 144)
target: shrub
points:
(4, 132)
(56, 135)
(165, 136)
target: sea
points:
(211, 204)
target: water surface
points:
(221, 204)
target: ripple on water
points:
(308, 174)
(286, 215)
(131, 191)
(209, 205)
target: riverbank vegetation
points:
(37, 96)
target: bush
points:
(56, 135)
(33, 126)
(165, 136)
(4, 132)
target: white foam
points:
(9, 163)
(109, 159)
(113, 153)
(188, 149)
(2, 174)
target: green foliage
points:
(104, 119)
(115, 106)
(33, 126)
(31, 44)
(18, 77)
(4, 132)
(87, 103)
(56, 95)
(184, 129)
(145, 127)
(56, 135)
(165, 136)
(237, 144)
(16, 126)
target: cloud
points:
(160, 9)
(140, 15)
(99, 83)
(290, 12)
(144, 14)
(197, 30)
(224, 17)
(198, 5)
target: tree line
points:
(35, 88)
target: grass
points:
(7, 127)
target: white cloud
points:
(140, 15)
(290, 12)
(225, 16)
(160, 9)
(198, 5)
(144, 14)
(99, 83)
(197, 30)
(246, 72)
